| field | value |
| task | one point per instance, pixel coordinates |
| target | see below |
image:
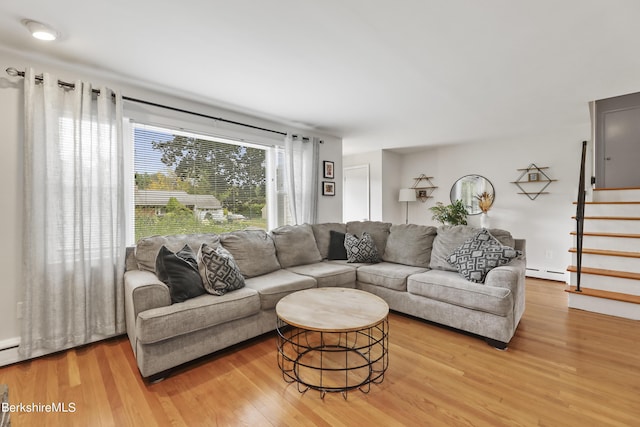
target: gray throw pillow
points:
(337, 251)
(322, 234)
(295, 245)
(219, 272)
(479, 255)
(179, 271)
(362, 249)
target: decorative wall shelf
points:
(424, 187)
(530, 176)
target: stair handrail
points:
(580, 215)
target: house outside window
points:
(193, 183)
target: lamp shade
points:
(407, 195)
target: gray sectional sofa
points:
(414, 276)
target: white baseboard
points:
(9, 351)
(560, 276)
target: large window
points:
(193, 183)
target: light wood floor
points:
(563, 368)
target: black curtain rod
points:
(206, 116)
(16, 73)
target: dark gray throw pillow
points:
(179, 271)
(362, 249)
(479, 255)
(336, 245)
(219, 272)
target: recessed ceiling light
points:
(40, 30)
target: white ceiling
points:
(380, 74)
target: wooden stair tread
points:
(607, 252)
(596, 234)
(615, 218)
(610, 203)
(604, 272)
(617, 296)
(618, 188)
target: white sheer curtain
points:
(74, 243)
(301, 171)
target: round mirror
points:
(470, 189)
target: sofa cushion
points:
(409, 244)
(361, 249)
(479, 255)
(179, 271)
(273, 286)
(253, 250)
(387, 275)
(344, 262)
(336, 246)
(198, 313)
(450, 237)
(295, 245)
(321, 233)
(328, 274)
(147, 248)
(219, 272)
(379, 231)
(451, 288)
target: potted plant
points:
(453, 214)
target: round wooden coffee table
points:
(333, 339)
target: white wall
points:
(11, 124)
(392, 210)
(330, 207)
(545, 222)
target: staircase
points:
(610, 280)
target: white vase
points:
(484, 220)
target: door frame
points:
(344, 187)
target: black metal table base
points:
(333, 361)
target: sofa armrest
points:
(512, 277)
(506, 276)
(521, 245)
(142, 291)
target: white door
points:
(355, 203)
(622, 148)
(618, 142)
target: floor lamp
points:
(407, 195)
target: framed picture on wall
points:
(534, 176)
(328, 169)
(328, 188)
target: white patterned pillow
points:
(362, 249)
(479, 255)
(219, 272)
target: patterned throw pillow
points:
(361, 250)
(219, 272)
(479, 255)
